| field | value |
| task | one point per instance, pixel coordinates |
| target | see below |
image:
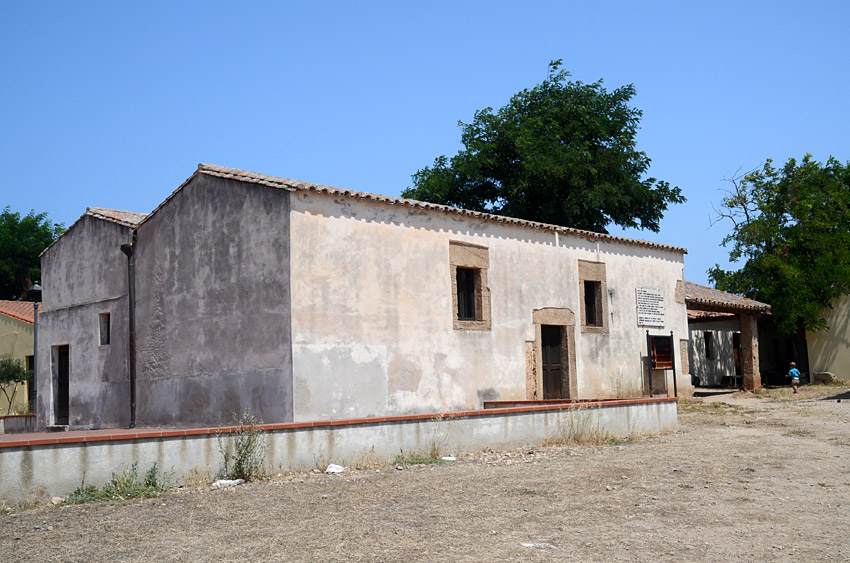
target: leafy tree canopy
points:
(562, 152)
(22, 239)
(791, 227)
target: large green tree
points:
(562, 152)
(22, 239)
(791, 229)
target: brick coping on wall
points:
(119, 434)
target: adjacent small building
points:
(301, 302)
(829, 351)
(17, 320)
(723, 347)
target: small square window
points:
(104, 329)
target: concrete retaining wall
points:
(43, 466)
(17, 423)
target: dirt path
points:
(745, 477)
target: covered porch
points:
(699, 298)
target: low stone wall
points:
(17, 423)
(42, 465)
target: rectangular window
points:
(468, 266)
(593, 297)
(592, 303)
(104, 329)
(466, 278)
(709, 344)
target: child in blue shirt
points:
(794, 374)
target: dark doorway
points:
(31, 384)
(552, 339)
(736, 348)
(63, 369)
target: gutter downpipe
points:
(128, 249)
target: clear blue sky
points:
(113, 104)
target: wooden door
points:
(553, 370)
(63, 369)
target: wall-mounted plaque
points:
(650, 307)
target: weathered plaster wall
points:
(15, 342)
(212, 306)
(711, 371)
(830, 350)
(372, 293)
(84, 274)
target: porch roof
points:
(702, 298)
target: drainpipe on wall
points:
(131, 344)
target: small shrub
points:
(123, 486)
(577, 428)
(243, 450)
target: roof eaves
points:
(755, 306)
(90, 213)
(292, 185)
(97, 212)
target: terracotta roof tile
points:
(126, 218)
(20, 310)
(294, 185)
(701, 296)
(129, 219)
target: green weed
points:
(123, 486)
(417, 458)
(243, 449)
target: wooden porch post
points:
(750, 351)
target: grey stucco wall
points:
(84, 274)
(212, 306)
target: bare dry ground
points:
(749, 477)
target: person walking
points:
(794, 374)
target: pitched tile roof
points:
(702, 297)
(294, 185)
(129, 219)
(126, 218)
(20, 310)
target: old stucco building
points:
(302, 302)
(17, 319)
(723, 346)
(829, 350)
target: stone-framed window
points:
(593, 289)
(469, 263)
